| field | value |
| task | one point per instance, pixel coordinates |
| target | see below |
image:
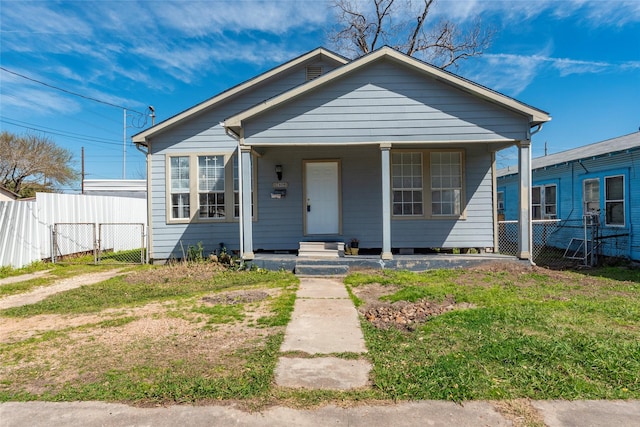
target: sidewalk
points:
(423, 413)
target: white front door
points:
(322, 207)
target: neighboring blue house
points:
(602, 179)
(384, 148)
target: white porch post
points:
(386, 201)
(245, 202)
(524, 217)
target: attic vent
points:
(313, 71)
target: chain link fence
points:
(74, 243)
(547, 247)
(103, 243)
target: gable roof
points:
(536, 116)
(597, 149)
(141, 137)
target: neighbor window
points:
(446, 183)
(211, 186)
(614, 200)
(407, 183)
(591, 195)
(179, 183)
(543, 202)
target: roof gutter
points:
(538, 129)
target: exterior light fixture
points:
(279, 172)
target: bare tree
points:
(29, 163)
(364, 26)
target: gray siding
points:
(203, 134)
(569, 180)
(385, 102)
(280, 224)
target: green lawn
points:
(539, 335)
(536, 334)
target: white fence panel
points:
(19, 231)
(25, 227)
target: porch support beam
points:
(245, 201)
(524, 217)
(385, 148)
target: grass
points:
(172, 368)
(54, 272)
(117, 292)
(532, 337)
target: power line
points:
(69, 92)
(60, 133)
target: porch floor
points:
(344, 265)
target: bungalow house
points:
(594, 184)
(384, 148)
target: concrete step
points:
(321, 249)
(319, 254)
(321, 269)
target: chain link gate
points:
(102, 243)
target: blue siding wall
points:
(385, 102)
(204, 135)
(569, 180)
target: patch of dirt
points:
(178, 273)
(236, 297)
(520, 412)
(402, 315)
(159, 335)
(408, 315)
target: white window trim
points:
(194, 195)
(624, 202)
(426, 186)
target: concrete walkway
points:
(324, 322)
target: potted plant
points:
(354, 245)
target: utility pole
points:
(82, 186)
(124, 143)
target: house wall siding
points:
(280, 223)
(569, 179)
(203, 134)
(385, 102)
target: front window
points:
(179, 183)
(614, 200)
(591, 195)
(407, 184)
(211, 186)
(446, 183)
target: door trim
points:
(304, 194)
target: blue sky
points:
(579, 60)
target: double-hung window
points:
(543, 202)
(426, 183)
(614, 200)
(446, 183)
(204, 187)
(211, 187)
(179, 184)
(591, 195)
(407, 183)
